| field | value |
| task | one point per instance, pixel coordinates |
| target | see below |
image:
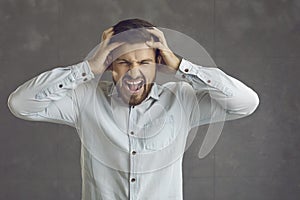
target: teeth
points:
(133, 82)
(134, 85)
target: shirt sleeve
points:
(50, 95)
(214, 95)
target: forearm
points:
(233, 95)
(94, 67)
(38, 93)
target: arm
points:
(211, 95)
(49, 96)
(218, 96)
(53, 96)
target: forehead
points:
(134, 51)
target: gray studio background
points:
(257, 41)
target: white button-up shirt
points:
(132, 152)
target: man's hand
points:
(100, 62)
(169, 58)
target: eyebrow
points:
(122, 59)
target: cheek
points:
(149, 72)
(115, 76)
(118, 73)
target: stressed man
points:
(133, 130)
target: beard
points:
(133, 94)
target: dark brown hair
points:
(128, 24)
(132, 31)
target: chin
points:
(136, 98)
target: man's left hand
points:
(170, 59)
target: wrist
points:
(177, 63)
(94, 67)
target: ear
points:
(114, 73)
(159, 59)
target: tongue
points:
(133, 87)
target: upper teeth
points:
(134, 82)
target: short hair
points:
(132, 31)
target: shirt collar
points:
(154, 92)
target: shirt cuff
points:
(81, 72)
(187, 68)
(208, 75)
(78, 73)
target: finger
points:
(159, 34)
(107, 38)
(106, 33)
(109, 49)
(156, 45)
(114, 45)
(108, 30)
(155, 30)
(103, 51)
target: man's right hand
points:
(100, 62)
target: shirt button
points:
(208, 81)
(183, 76)
(132, 133)
(133, 152)
(133, 180)
(186, 70)
(83, 74)
(60, 85)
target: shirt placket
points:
(132, 152)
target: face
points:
(134, 72)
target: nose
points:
(134, 71)
(134, 65)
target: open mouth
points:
(133, 86)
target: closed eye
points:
(123, 62)
(146, 62)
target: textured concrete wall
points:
(257, 41)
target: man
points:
(133, 130)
